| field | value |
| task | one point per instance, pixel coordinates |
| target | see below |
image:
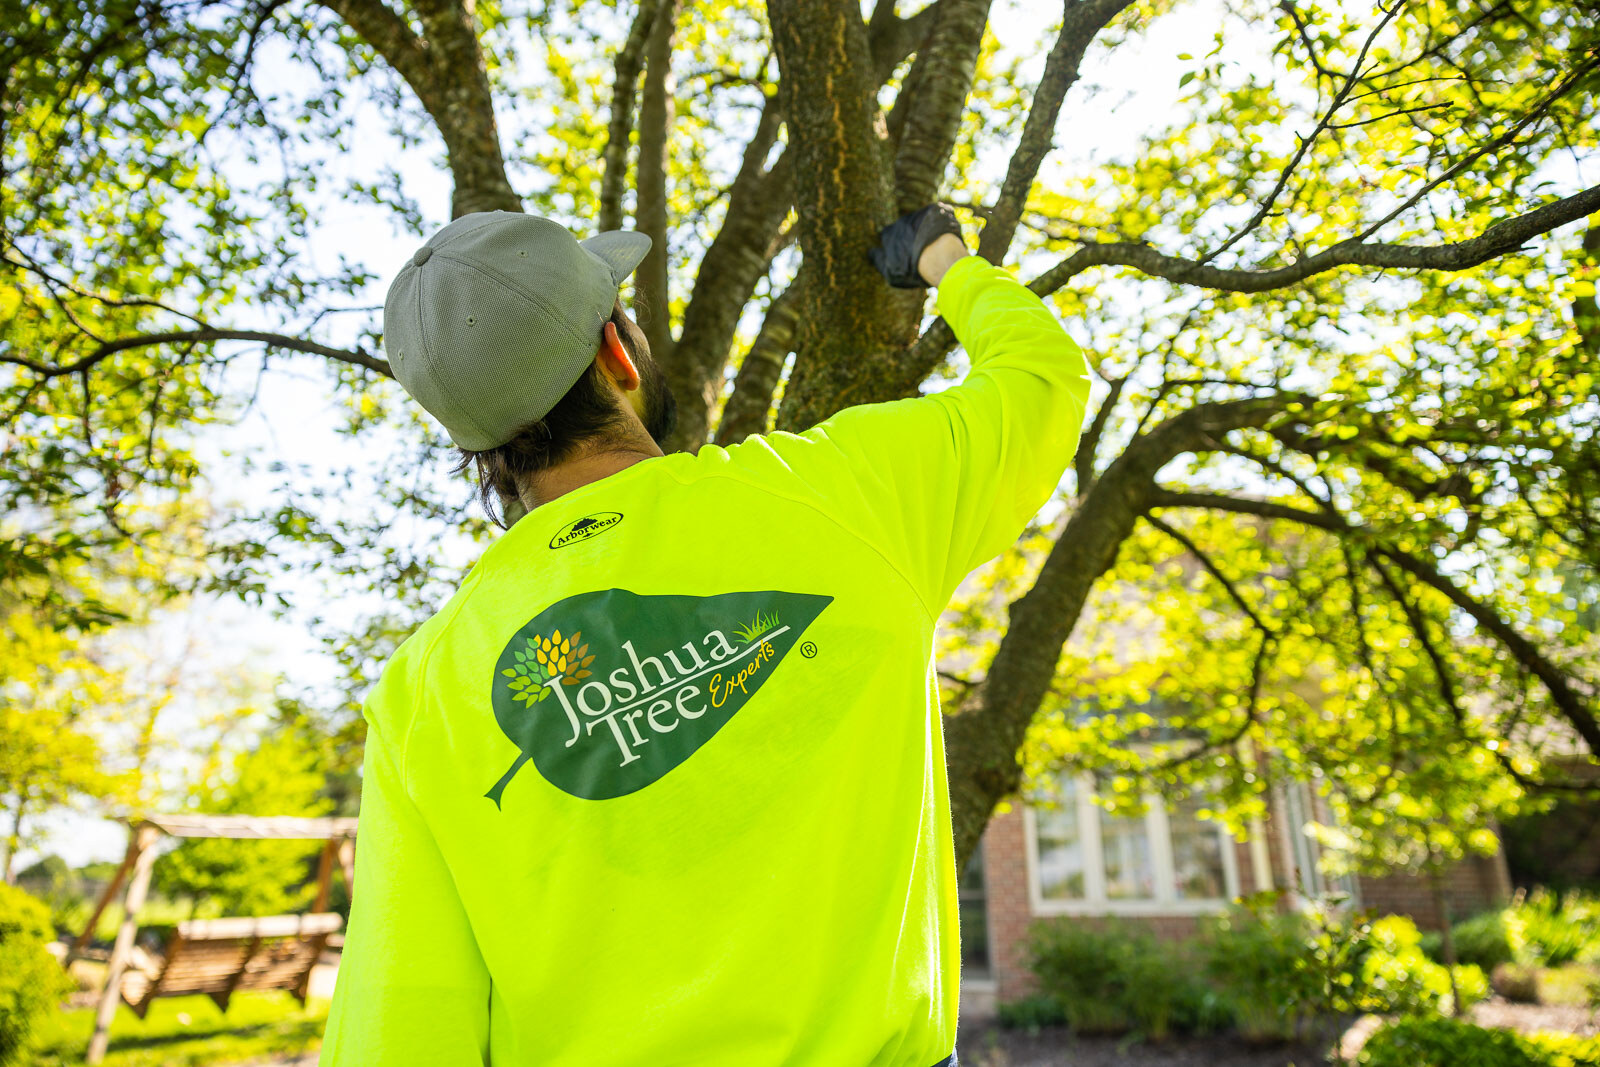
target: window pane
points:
(974, 918)
(1196, 853)
(1060, 846)
(1129, 872)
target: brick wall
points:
(1005, 874)
(1005, 868)
(1472, 885)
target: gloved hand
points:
(900, 244)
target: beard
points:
(660, 414)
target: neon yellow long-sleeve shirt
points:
(664, 782)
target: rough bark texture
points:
(655, 129)
(739, 256)
(936, 93)
(850, 324)
(445, 68)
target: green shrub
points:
(1201, 1009)
(1546, 929)
(1482, 940)
(1261, 963)
(1159, 994)
(1443, 1043)
(1079, 966)
(1398, 978)
(1113, 977)
(31, 981)
(1433, 945)
(1030, 1013)
(1436, 1042)
(1576, 985)
(1563, 1050)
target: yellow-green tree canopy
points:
(1342, 461)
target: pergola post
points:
(325, 874)
(347, 864)
(142, 849)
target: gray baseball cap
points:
(494, 319)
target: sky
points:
(1122, 97)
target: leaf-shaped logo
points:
(607, 691)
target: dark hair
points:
(586, 413)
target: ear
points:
(615, 361)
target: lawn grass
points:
(188, 1032)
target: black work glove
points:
(900, 244)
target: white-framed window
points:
(1301, 807)
(1082, 860)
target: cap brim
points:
(620, 250)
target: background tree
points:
(50, 691)
(1345, 343)
(278, 776)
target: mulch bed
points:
(986, 1045)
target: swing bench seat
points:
(219, 957)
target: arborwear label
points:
(585, 528)
(607, 691)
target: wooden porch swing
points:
(217, 957)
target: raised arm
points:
(943, 482)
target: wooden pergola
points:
(216, 956)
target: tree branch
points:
(271, 340)
(892, 39)
(982, 742)
(1498, 240)
(751, 400)
(1556, 681)
(732, 265)
(445, 67)
(1216, 572)
(1080, 22)
(1265, 509)
(383, 28)
(1307, 141)
(1089, 443)
(655, 122)
(936, 88)
(624, 88)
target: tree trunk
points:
(983, 740)
(655, 130)
(624, 89)
(852, 324)
(14, 840)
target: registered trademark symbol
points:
(808, 650)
